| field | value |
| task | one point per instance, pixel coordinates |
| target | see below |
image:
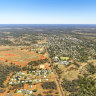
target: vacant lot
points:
(19, 57)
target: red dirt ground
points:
(9, 57)
(10, 54)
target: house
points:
(18, 81)
(41, 50)
(44, 76)
(12, 79)
(30, 81)
(22, 81)
(42, 66)
(61, 62)
(30, 86)
(30, 92)
(19, 91)
(64, 62)
(10, 83)
(56, 58)
(46, 79)
(26, 81)
(39, 80)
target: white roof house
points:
(10, 82)
(19, 91)
(30, 92)
(46, 79)
(42, 66)
(31, 86)
(56, 58)
(44, 76)
(22, 81)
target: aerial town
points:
(47, 62)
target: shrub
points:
(49, 85)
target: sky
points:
(47, 11)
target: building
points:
(42, 66)
(64, 58)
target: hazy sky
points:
(47, 11)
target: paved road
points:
(56, 78)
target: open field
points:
(6, 48)
(19, 57)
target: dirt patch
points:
(19, 57)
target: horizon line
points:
(54, 24)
